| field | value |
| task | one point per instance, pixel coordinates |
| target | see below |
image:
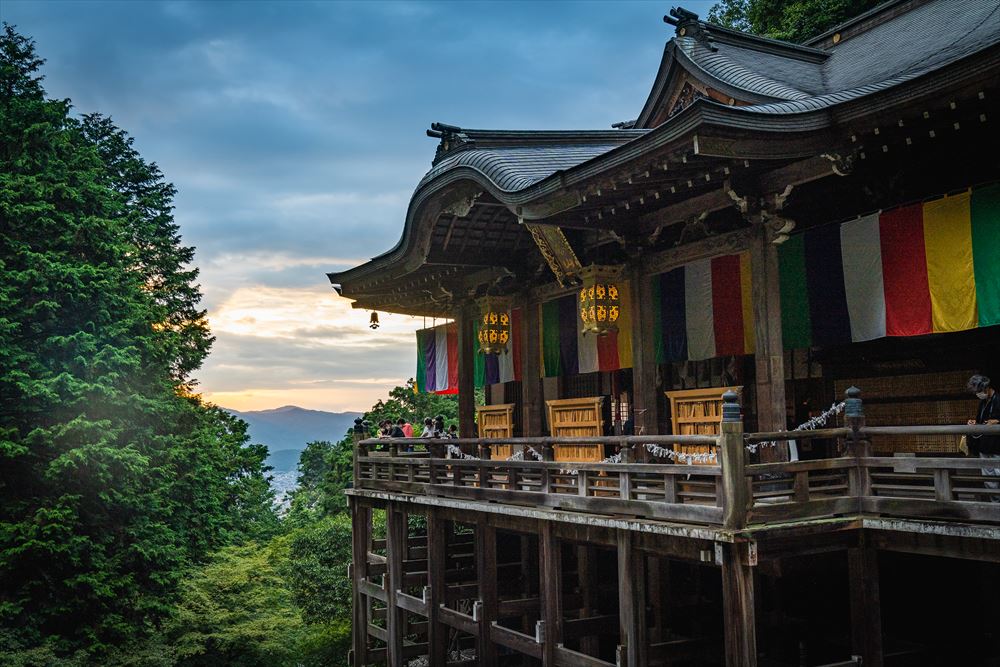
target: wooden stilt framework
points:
(485, 582)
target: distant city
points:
(286, 431)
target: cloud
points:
(294, 133)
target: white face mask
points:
(981, 395)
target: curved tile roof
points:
(926, 37)
(793, 87)
(742, 69)
(513, 168)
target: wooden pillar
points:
(631, 601)
(437, 555)
(531, 372)
(769, 352)
(395, 551)
(645, 408)
(656, 587)
(466, 374)
(587, 574)
(737, 575)
(866, 610)
(486, 572)
(361, 533)
(739, 614)
(529, 577)
(550, 587)
(736, 496)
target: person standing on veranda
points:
(988, 412)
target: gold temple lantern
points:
(494, 324)
(600, 299)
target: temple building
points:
(653, 310)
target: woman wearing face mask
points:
(987, 446)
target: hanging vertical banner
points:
(911, 271)
(704, 310)
(566, 350)
(437, 359)
(985, 213)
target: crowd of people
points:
(433, 428)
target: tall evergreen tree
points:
(113, 476)
(790, 20)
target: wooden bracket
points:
(557, 251)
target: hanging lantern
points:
(494, 325)
(600, 299)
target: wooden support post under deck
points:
(550, 585)
(738, 608)
(866, 610)
(466, 374)
(769, 352)
(395, 551)
(486, 571)
(588, 581)
(631, 600)
(361, 522)
(531, 375)
(646, 403)
(437, 632)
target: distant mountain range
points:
(288, 429)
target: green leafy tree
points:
(413, 407)
(325, 470)
(114, 477)
(789, 20)
(240, 609)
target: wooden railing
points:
(731, 493)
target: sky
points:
(294, 133)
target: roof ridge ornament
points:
(452, 137)
(688, 24)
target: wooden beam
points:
(769, 351)
(361, 537)
(586, 569)
(486, 572)
(531, 376)
(437, 561)
(466, 374)
(797, 173)
(645, 398)
(684, 210)
(713, 246)
(631, 600)
(740, 628)
(736, 499)
(866, 609)
(395, 529)
(550, 583)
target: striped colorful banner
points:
(565, 350)
(920, 269)
(437, 358)
(703, 310)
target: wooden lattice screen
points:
(497, 421)
(926, 398)
(697, 412)
(569, 417)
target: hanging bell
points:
(374, 321)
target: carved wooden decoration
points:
(556, 250)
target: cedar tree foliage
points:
(114, 477)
